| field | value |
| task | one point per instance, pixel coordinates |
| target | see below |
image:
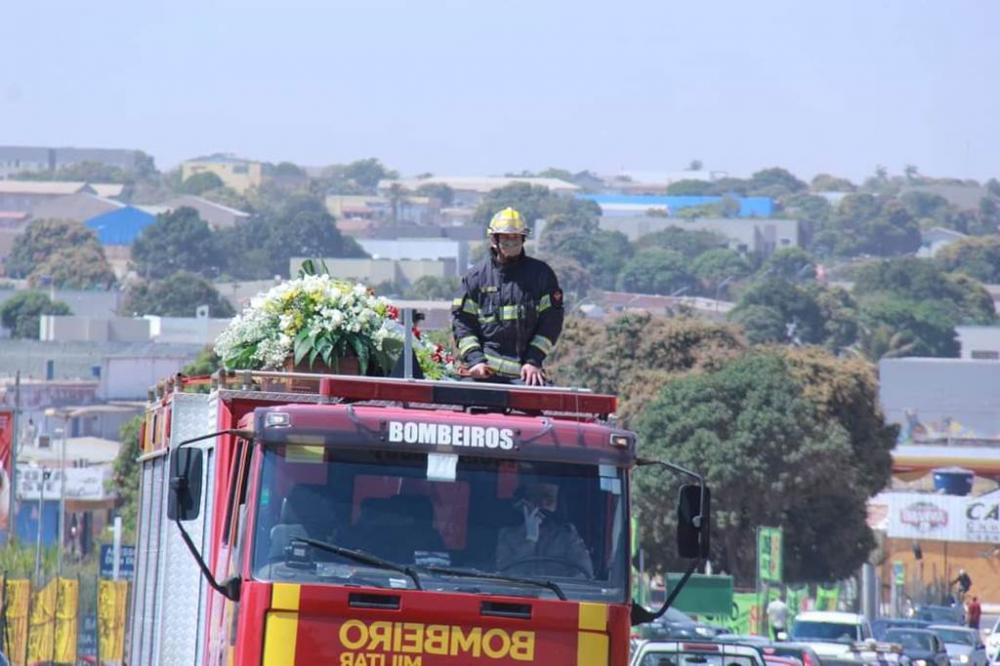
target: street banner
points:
(66, 620)
(112, 598)
(827, 597)
(6, 447)
(742, 618)
(41, 635)
(17, 594)
(769, 564)
(925, 516)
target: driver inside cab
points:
(544, 543)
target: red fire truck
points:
(355, 521)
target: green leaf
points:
(303, 343)
(361, 349)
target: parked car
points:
(950, 615)
(676, 624)
(993, 643)
(921, 646)
(884, 624)
(964, 645)
(674, 653)
(830, 634)
(801, 652)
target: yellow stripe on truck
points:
(592, 639)
(282, 626)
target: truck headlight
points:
(919, 662)
(964, 658)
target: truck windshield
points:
(537, 521)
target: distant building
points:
(746, 235)
(88, 302)
(456, 253)
(935, 239)
(149, 328)
(611, 304)
(380, 271)
(121, 226)
(470, 190)
(18, 159)
(630, 205)
(965, 197)
(941, 398)
(236, 173)
(215, 214)
(980, 343)
(78, 207)
(410, 209)
(26, 195)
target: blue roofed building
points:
(121, 226)
(613, 205)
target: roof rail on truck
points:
(303, 387)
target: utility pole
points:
(62, 500)
(41, 519)
(14, 447)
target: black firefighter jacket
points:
(508, 314)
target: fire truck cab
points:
(363, 521)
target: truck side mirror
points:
(184, 502)
(693, 522)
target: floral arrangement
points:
(317, 318)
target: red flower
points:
(393, 312)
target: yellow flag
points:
(112, 599)
(66, 621)
(41, 636)
(17, 594)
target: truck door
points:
(225, 612)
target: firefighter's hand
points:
(480, 371)
(532, 375)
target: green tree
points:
(656, 271)
(534, 203)
(718, 268)
(205, 363)
(178, 295)
(791, 263)
(80, 267)
(696, 188)
(775, 182)
(125, 476)
(689, 242)
(431, 288)
(976, 257)
(695, 165)
(777, 454)
(824, 182)
(178, 241)
(440, 191)
(921, 280)
(20, 313)
(88, 172)
(865, 224)
(635, 355)
(579, 238)
(894, 327)
(298, 226)
(367, 173)
(774, 309)
(199, 183)
(44, 239)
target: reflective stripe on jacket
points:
(508, 314)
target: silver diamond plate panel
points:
(182, 600)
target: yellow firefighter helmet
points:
(507, 221)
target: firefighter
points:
(510, 313)
(545, 542)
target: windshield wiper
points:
(475, 573)
(362, 557)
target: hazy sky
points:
(484, 87)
